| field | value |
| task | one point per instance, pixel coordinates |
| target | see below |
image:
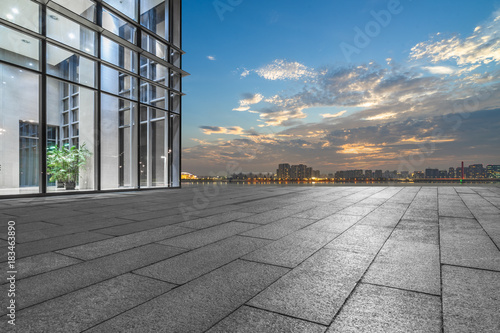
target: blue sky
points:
(297, 82)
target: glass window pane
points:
(118, 55)
(118, 26)
(175, 105)
(118, 83)
(118, 143)
(19, 139)
(154, 16)
(19, 128)
(175, 58)
(154, 95)
(175, 127)
(70, 33)
(19, 48)
(154, 46)
(21, 12)
(84, 8)
(76, 134)
(70, 66)
(154, 71)
(129, 7)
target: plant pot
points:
(70, 185)
(60, 185)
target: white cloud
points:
(334, 115)
(211, 58)
(282, 70)
(382, 116)
(439, 70)
(481, 47)
(209, 130)
(250, 99)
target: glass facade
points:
(90, 95)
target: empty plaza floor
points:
(234, 258)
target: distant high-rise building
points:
(476, 171)
(451, 172)
(358, 174)
(405, 174)
(378, 174)
(443, 174)
(368, 174)
(431, 173)
(308, 173)
(316, 174)
(418, 175)
(493, 171)
(298, 171)
(283, 171)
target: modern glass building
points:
(100, 76)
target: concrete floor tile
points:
(199, 238)
(117, 244)
(42, 263)
(190, 265)
(42, 287)
(198, 305)
(251, 320)
(278, 229)
(361, 239)
(471, 300)
(213, 220)
(293, 249)
(407, 265)
(316, 289)
(84, 308)
(375, 309)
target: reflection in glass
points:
(21, 12)
(70, 66)
(154, 95)
(70, 33)
(154, 71)
(19, 131)
(118, 26)
(175, 125)
(154, 17)
(84, 8)
(118, 55)
(19, 48)
(118, 83)
(154, 46)
(70, 117)
(129, 7)
(118, 143)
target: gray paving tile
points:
(376, 309)
(84, 308)
(336, 223)
(470, 300)
(420, 231)
(293, 249)
(268, 217)
(42, 263)
(358, 209)
(213, 220)
(198, 305)
(129, 228)
(381, 219)
(361, 239)
(52, 284)
(204, 237)
(316, 289)
(491, 225)
(319, 212)
(278, 229)
(190, 265)
(251, 320)
(57, 243)
(421, 214)
(102, 248)
(407, 265)
(464, 243)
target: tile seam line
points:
(371, 262)
(473, 268)
(477, 220)
(440, 262)
(79, 289)
(82, 261)
(400, 289)
(177, 286)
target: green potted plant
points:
(63, 164)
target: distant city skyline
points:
(381, 84)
